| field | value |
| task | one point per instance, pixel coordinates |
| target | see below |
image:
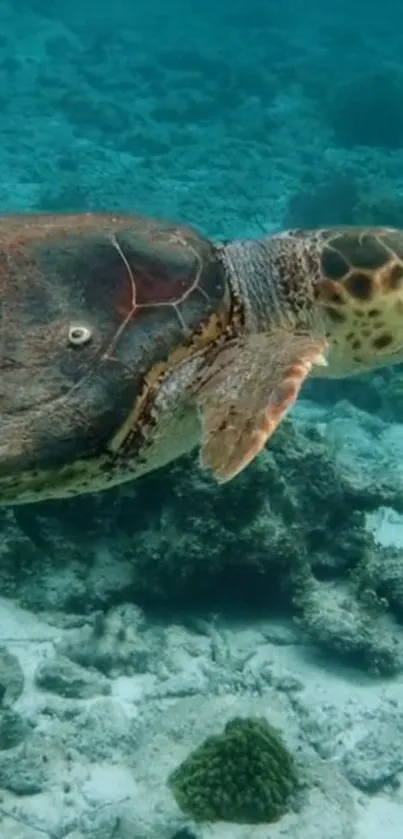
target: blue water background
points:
(235, 116)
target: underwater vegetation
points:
(245, 775)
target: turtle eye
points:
(79, 335)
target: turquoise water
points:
(136, 623)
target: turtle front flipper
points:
(246, 393)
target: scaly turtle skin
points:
(126, 342)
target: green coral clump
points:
(244, 775)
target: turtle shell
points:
(91, 305)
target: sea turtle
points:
(125, 342)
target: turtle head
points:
(68, 359)
(61, 399)
(95, 310)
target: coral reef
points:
(289, 535)
(244, 775)
(265, 527)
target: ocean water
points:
(138, 622)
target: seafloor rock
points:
(13, 729)
(381, 572)
(112, 643)
(105, 729)
(11, 677)
(24, 770)
(100, 768)
(64, 677)
(338, 623)
(366, 453)
(376, 758)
